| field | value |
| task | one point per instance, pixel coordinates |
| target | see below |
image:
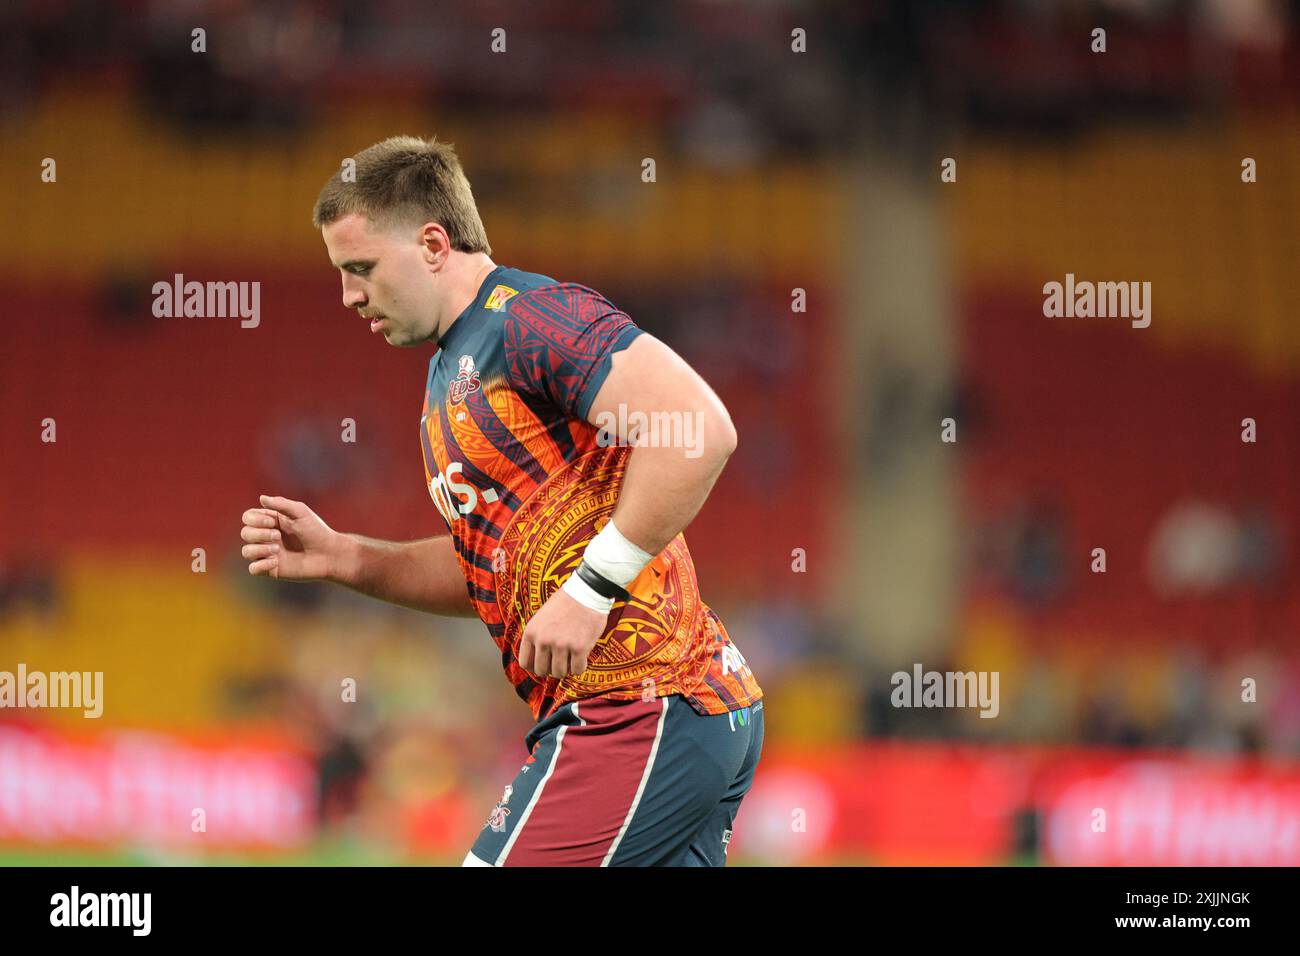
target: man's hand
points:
(559, 637)
(287, 540)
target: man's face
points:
(386, 277)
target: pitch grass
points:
(323, 853)
(322, 856)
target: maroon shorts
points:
(625, 783)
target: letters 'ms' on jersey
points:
(524, 484)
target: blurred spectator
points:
(1201, 548)
(1194, 549)
(28, 583)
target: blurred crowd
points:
(720, 74)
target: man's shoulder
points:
(508, 284)
(533, 294)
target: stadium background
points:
(776, 170)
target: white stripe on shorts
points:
(555, 757)
(645, 777)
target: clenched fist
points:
(287, 540)
(559, 637)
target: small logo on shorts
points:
(726, 841)
(740, 717)
(497, 821)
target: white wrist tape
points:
(614, 557)
(581, 592)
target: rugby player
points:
(565, 533)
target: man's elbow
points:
(722, 438)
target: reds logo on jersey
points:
(466, 381)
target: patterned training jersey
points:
(524, 484)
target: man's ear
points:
(436, 244)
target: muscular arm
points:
(285, 539)
(424, 575)
(664, 487)
(669, 474)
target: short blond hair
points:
(406, 179)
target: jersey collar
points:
(459, 328)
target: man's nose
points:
(353, 295)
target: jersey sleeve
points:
(560, 342)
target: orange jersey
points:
(524, 482)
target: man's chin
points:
(399, 338)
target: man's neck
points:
(476, 270)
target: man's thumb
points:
(286, 506)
